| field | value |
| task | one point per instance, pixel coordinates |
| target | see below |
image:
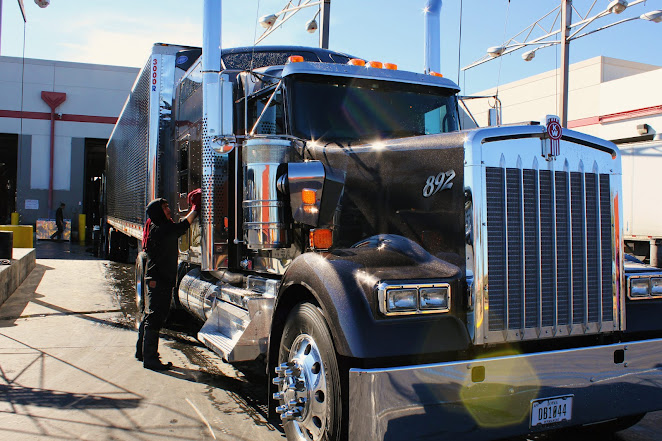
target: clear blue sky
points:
(120, 32)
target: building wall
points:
(608, 98)
(95, 97)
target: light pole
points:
(272, 22)
(566, 21)
(568, 32)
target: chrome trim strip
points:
(598, 227)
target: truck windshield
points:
(351, 110)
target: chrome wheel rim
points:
(302, 390)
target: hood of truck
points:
(411, 187)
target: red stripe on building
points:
(64, 117)
(612, 117)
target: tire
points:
(113, 245)
(139, 281)
(307, 360)
(613, 426)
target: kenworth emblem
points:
(437, 183)
(552, 145)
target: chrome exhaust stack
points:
(432, 36)
(218, 141)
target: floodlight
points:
(529, 55)
(654, 16)
(42, 3)
(617, 6)
(311, 26)
(495, 51)
(268, 21)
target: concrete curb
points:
(11, 276)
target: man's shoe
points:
(158, 366)
(138, 356)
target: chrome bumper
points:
(448, 400)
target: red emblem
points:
(555, 131)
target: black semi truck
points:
(401, 277)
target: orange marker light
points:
(436, 74)
(390, 66)
(321, 238)
(295, 59)
(308, 196)
(375, 64)
(356, 62)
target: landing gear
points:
(308, 378)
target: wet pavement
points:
(67, 370)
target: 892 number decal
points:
(435, 184)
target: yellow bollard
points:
(14, 218)
(81, 229)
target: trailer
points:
(401, 278)
(641, 212)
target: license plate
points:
(551, 410)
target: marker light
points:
(375, 64)
(295, 59)
(321, 238)
(356, 62)
(308, 196)
(390, 66)
(436, 74)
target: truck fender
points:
(342, 283)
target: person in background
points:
(160, 237)
(59, 222)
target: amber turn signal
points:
(390, 66)
(308, 196)
(295, 59)
(436, 74)
(321, 239)
(375, 64)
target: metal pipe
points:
(211, 36)
(432, 32)
(211, 111)
(566, 19)
(325, 15)
(53, 100)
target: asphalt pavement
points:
(67, 370)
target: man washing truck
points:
(401, 278)
(160, 243)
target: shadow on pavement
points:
(28, 402)
(50, 249)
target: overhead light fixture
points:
(268, 21)
(311, 26)
(495, 51)
(654, 16)
(529, 55)
(617, 6)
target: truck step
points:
(238, 334)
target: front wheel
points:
(308, 379)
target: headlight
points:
(428, 298)
(656, 286)
(401, 300)
(639, 287)
(434, 298)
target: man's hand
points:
(195, 199)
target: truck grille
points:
(549, 240)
